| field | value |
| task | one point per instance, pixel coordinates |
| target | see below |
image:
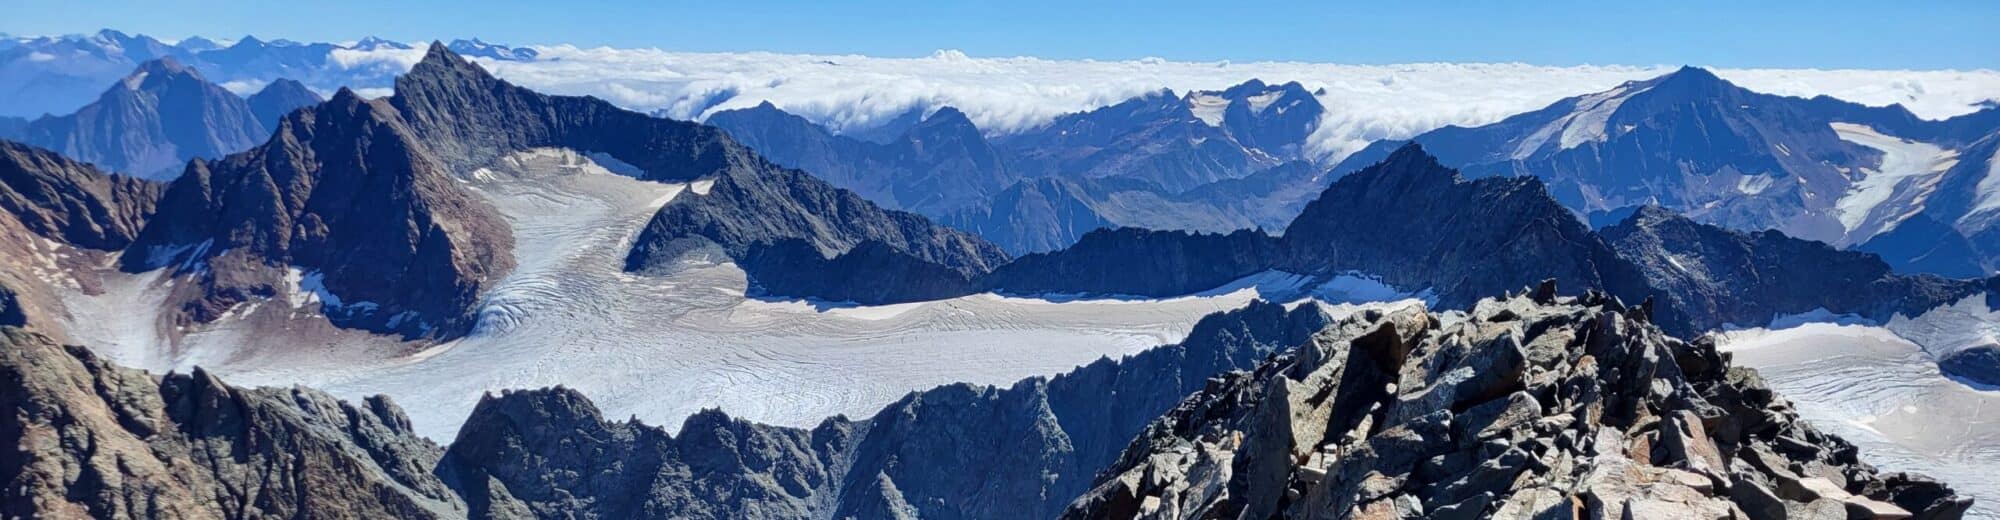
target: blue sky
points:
(1824, 34)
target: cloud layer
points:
(1003, 95)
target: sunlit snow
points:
(1909, 167)
(1885, 395)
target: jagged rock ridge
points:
(1407, 219)
(346, 193)
(959, 451)
(752, 209)
(87, 439)
(1718, 277)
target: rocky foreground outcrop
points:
(1532, 406)
(86, 439)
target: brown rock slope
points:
(87, 439)
(59, 219)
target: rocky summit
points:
(1530, 406)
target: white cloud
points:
(397, 59)
(244, 87)
(1003, 95)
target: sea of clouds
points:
(1005, 95)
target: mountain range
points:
(1820, 168)
(153, 120)
(57, 74)
(1874, 179)
(1212, 161)
(1679, 205)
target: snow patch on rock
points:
(1907, 166)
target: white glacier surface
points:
(661, 347)
(1884, 394)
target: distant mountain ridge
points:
(151, 122)
(1819, 168)
(57, 74)
(1146, 162)
(356, 204)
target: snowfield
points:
(1884, 394)
(660, 347)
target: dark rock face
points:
(59, 219)
(1924, 245)
(758, 209)
(344, 190)
(72, 202)
(1417, 224)
(150, 123)
(91, 440)
(281, 97)
(469, 118)
(869, 273)
(957, 451)
(1717, 276)
(12, 314)
(1139, 262)
(1407, 219)
(550, 454)
(1529, 407)
(1979, 364)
